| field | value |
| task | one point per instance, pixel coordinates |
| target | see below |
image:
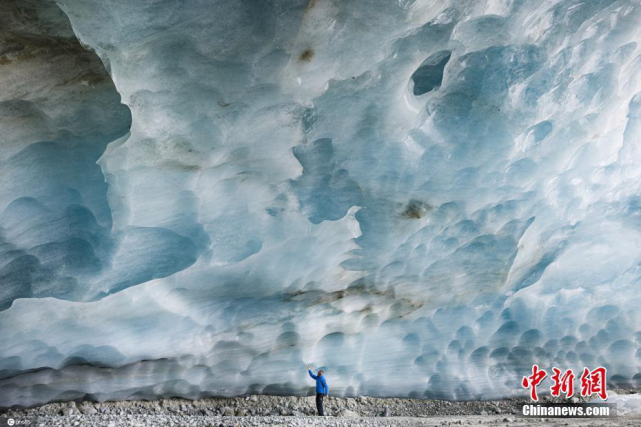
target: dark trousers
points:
(319, 404)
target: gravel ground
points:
(291, 411)
(195, 421)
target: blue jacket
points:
(321, 384)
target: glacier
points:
(424, 198)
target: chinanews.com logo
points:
(591, 383)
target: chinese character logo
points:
(592, 382)
(562, 383)
(534, 380)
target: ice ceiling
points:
(422, 197)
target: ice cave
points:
(423, 197)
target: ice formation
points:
(422, 197)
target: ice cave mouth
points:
(270, 184)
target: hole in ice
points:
(430, 73)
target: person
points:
(322, 390)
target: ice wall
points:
(424, 198)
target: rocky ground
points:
(290, 411)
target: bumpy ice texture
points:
(424, 198)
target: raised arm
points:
(312, 375)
